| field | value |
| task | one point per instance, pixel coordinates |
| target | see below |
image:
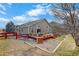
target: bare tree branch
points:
(69, 14)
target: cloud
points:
(49, 11)
(18, 20)
(34, 18)
(40, 9)
(43, 5)
(36, 12)
(33, 14)
(9, 4)
(3, 7)
(39, 6)
(4, 20)
(30, 15)
(49, 5)
(2, 12)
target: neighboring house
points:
(34, 27)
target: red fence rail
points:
(38, 38)
(2, 34)
(7, 34)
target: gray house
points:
(34, 27)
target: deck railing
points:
(39, 39)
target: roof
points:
(32, 23)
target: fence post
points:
(5, 35)
(16, 36)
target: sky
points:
(20, 13)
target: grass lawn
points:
(12, 47)
(4, 46)
(60, 38)
(68, 48)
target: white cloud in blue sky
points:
(23, 19)
(36, 12)
(3, 20)
(3, 7)
(22, 13)
(40, 9)
(2, 12)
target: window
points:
(38, 27)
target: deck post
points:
(5, 35)
(39, 40)
(16, 36)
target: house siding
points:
(32, 29)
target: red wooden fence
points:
(7, 34)
(2, 34)
(39, 39)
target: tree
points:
(68, 13)
(10, 27)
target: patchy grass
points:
(60, 38)
(67, 48)
(4, 45)
(74, 52)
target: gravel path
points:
(19, 48)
